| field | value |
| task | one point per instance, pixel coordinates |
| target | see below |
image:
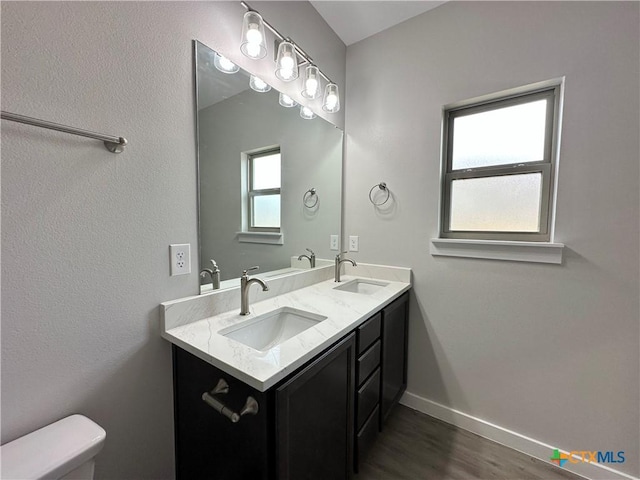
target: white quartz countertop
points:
(344, 311)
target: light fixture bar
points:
(281, 37)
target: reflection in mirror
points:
(258, 162)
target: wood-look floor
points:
(415, 446)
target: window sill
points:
(537, 252)
(269, 238)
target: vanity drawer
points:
(368, 398)
(368, 362)
(369, 332)
(367, 436)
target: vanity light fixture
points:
(306, 113)
(253, 43)
(259, 85)
(286, 101)
(253, 46)
(224, 64)
(311, 83)
(331, 101)
(286, 62)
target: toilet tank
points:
(63, 450)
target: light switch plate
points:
(180, 259)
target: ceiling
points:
(356, 20)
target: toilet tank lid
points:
(52, 451)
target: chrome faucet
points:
(245, 283)
(214, 273)
(339, 262)
(311, 258)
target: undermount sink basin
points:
(359, 285)
(270, 329)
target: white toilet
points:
(63, 450)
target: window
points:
(264, 191)
(499, 166)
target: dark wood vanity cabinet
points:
(303, 428)
(317, 423)
(381, 371)
(395, 337)
(367, 418)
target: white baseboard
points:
(509, 438)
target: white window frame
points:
(517, 246)
(252, 193)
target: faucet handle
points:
(341, 253)
(244, 272)
(310, 251)
(215, 266)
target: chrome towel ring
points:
(310, 198)
(382, 186)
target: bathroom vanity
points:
(319, 409)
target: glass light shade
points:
(331, 100)
(286, 62)
(286, 101)
(306, 113)
(252, 43)
(311, 82)
(259, 85)
(224, 64)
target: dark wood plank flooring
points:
(415, 446)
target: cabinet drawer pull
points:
(251, 406)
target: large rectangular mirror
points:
(269, 181)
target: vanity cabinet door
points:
(395, 321)
(208, 445)
(314, 417)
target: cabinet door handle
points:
(250, 407)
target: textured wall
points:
(85, 233)
(548, 351)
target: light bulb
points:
(286, 101)
(286, 73)
(287, 63)
(311, 86)
(306, 113)
(259, 85)
(252, 40)
(253, 49)
(253, 34)
(332, 101)
(224, 64)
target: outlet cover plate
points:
(180, 259)
(333, 242)
(354, 242)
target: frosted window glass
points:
(266, 211)
(506, 135)
(266, 171)
(509, 203)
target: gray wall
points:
(85, 233)
(311, 157)
(550, 352)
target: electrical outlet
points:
(353, 243)
(333, 244)
(180, 259)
